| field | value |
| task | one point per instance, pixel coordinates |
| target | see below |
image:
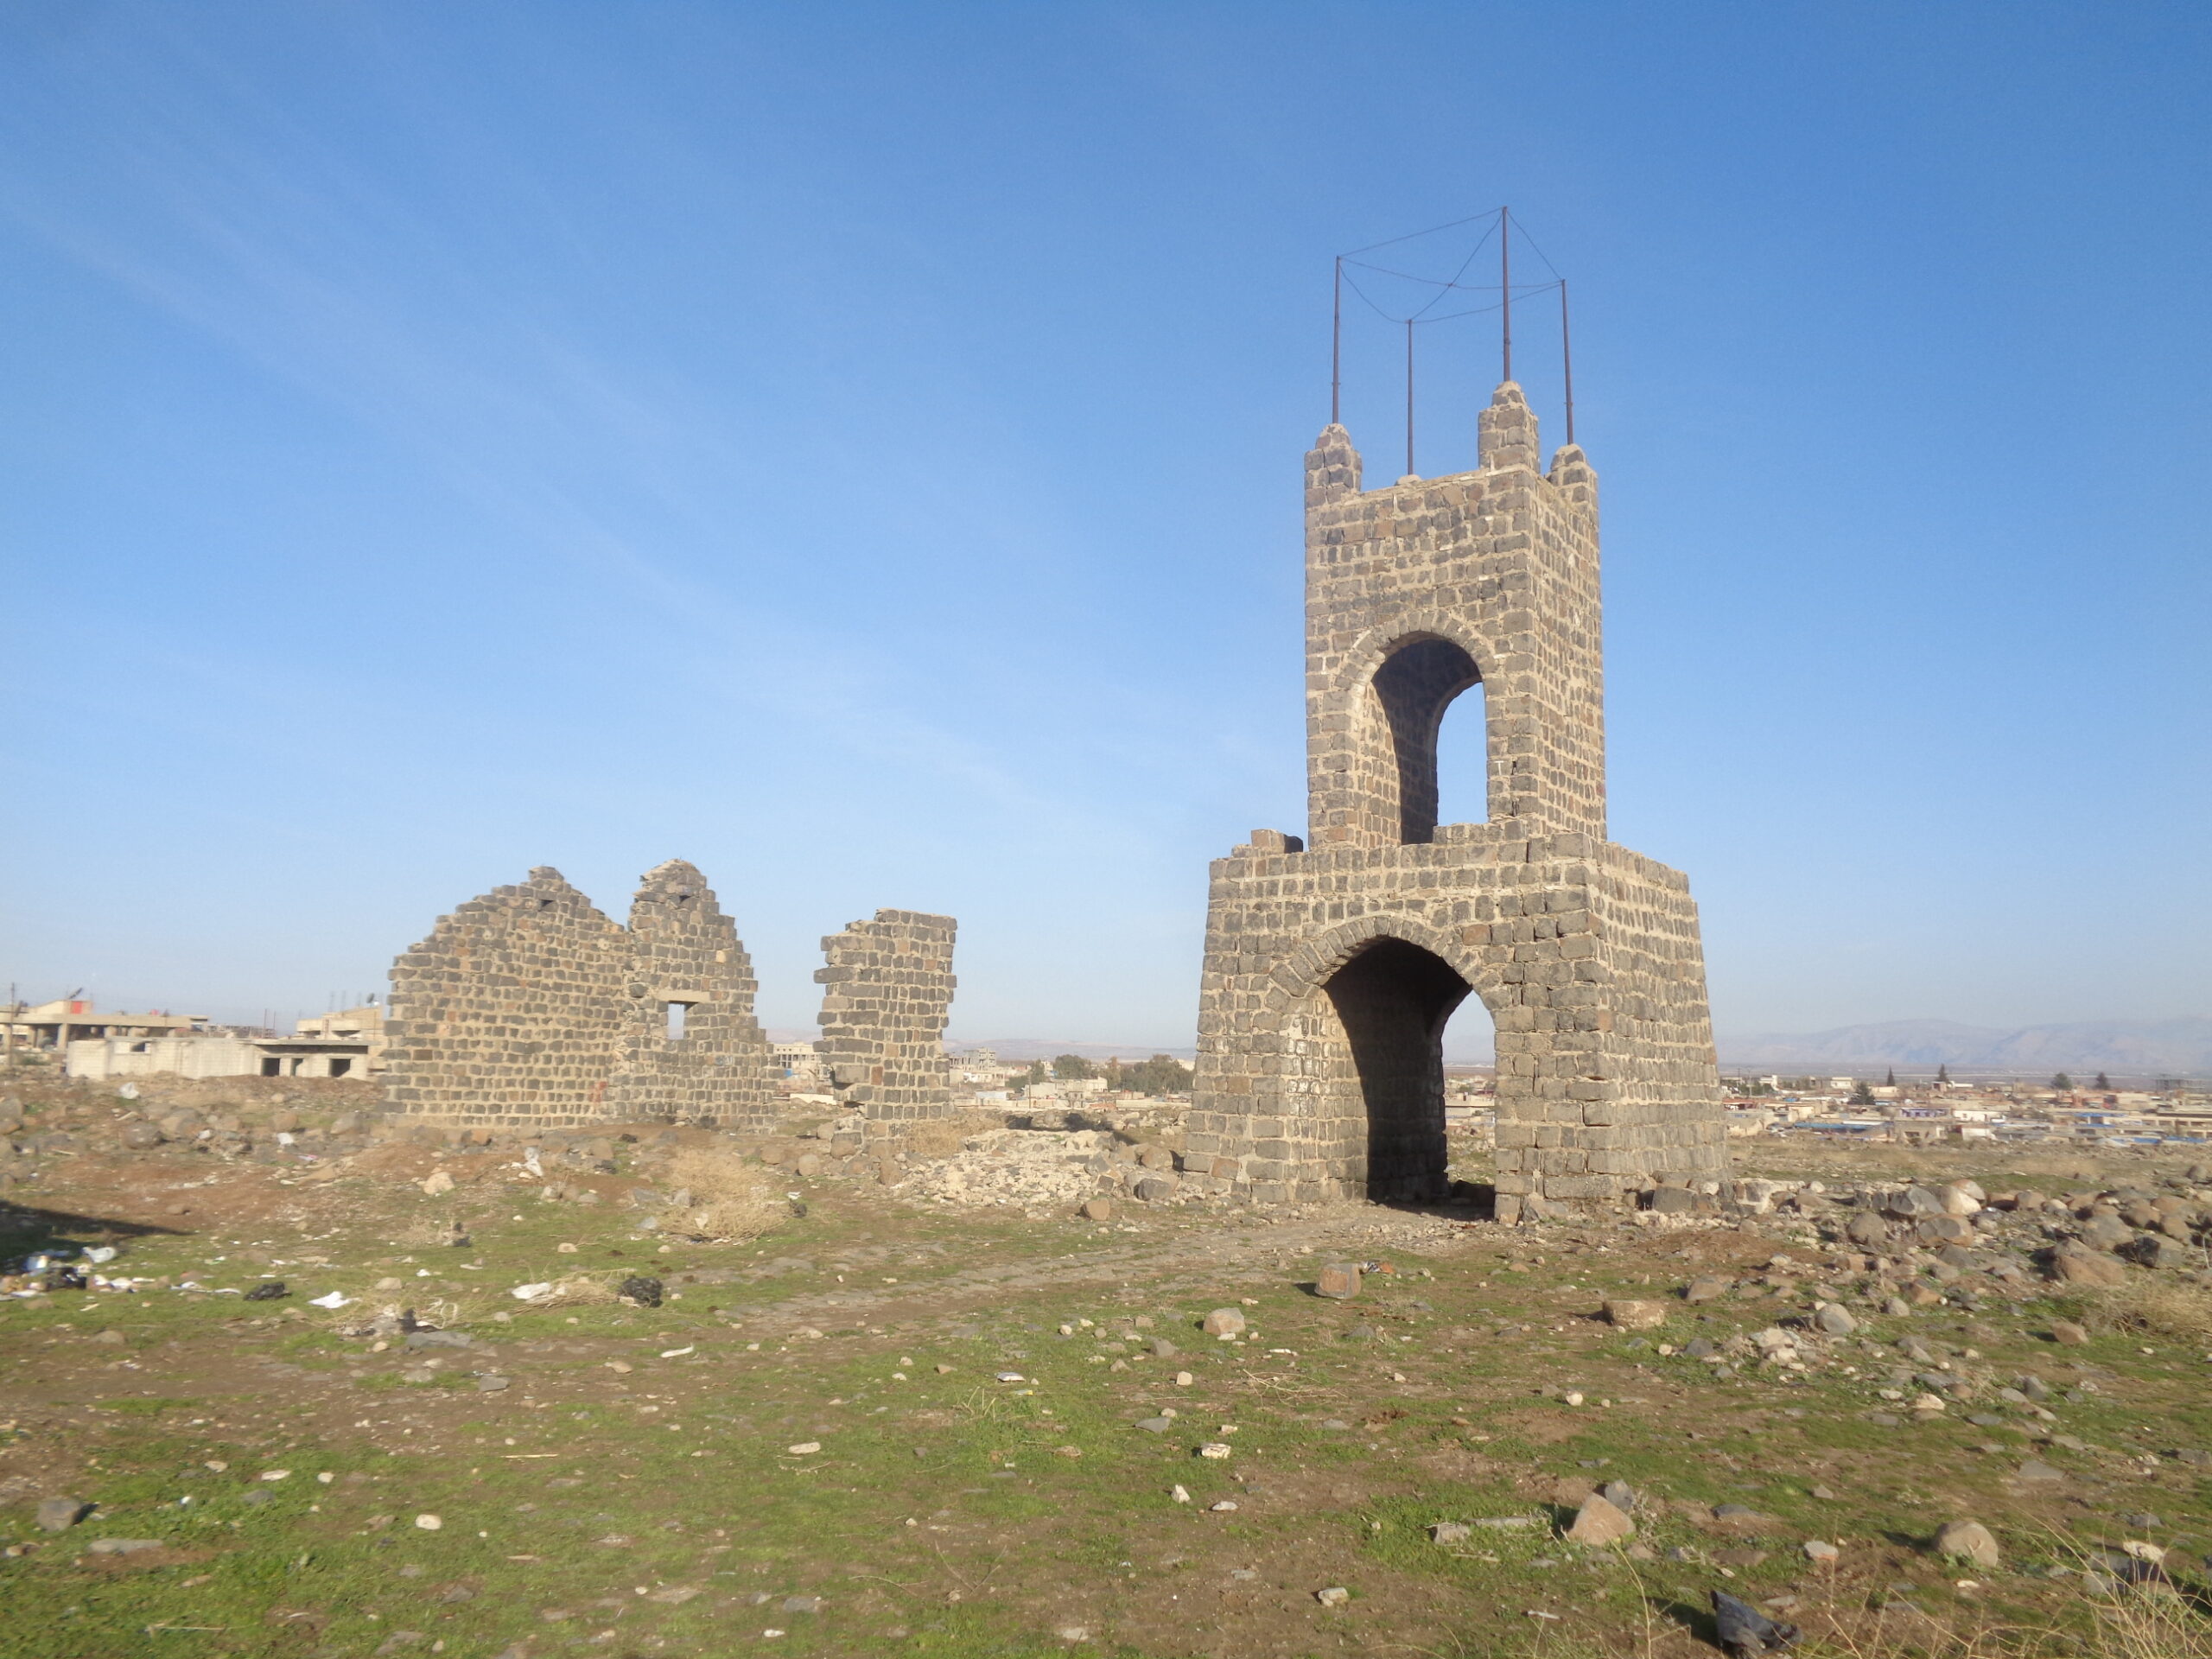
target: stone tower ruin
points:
(1331, 969)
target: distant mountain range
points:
(2135, 1047)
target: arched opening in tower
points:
(1394, 1000)
(1415, 684)
(1463, 759)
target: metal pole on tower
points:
(1505, 282)
(1337, 347)
(1566, 360)
(1410, 397)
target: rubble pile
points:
(1965, 1241)
(1034, 1169)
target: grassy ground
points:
(639, 1485)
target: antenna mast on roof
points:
(1566, 360)
(1505, 283)
(1337, 347)
(1410, 397)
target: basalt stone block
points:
(1339, 1279)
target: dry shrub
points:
(940, 1137)
(425, 1233)
(577, 1290)
(2153, 1621)
(731, 1200)
(2156, 1306)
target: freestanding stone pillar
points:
(1330, 971)
(888, 992)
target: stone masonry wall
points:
(684, 951)
(1501, 563)
(1318, 1078)
(509, 1013)
(529, 1007)
(888, 994)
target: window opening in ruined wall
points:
(676, 1013)
(1414, 687)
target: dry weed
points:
(941, 1137)
(577, 1290)
(424, 1234)
(2153, 1621)
(2149, 1618)
(2157, 1305)
(730, 1200)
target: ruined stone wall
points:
(685, 951)
(888, 994)
(528, 1006)
(1329, 973)
(509, 1011)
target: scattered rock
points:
(1867, 1230)
(1335, 1596)
(1706, 1287)
(436, 1183)
(1968, 1540)
(1834, 1320)
(1599, 1522)
(1635, 1315)
(1097, 1209)
(1819, 1550)
(1450, 1532)
(2160, 1253)
(122, 1546)
(1223, 1322)
(1155, 1188)
(645, 1292)
(1912, 1204)
(2034, 1470)
(2071, 1264)
(2067, 1334)
(429, 1522)
(60, 1513)
(269, 1290)
(1339, 1279)
(489, 1384)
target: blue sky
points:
(857, 448)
